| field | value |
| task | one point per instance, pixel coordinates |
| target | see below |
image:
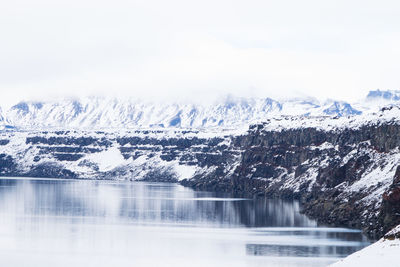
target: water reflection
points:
(99, 223)
(299, 251)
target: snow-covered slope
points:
(102, 112)
(385, 252)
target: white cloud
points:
(178, 49)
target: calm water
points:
(102, 223)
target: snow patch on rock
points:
(107, 160)
(184, 171)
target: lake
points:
(53, 222)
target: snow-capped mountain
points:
(103, 112)
(96, 112)
(341, 108)
(229, 112)
(388, 95)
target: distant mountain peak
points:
(385, 95)
(341, 108)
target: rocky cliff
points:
(167, 156)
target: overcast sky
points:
(196, 49)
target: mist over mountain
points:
(227, 112)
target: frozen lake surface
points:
(49, 222)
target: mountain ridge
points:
(114, 112)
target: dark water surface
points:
(48, 222)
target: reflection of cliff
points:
(261, 212)
(300, 251)
(142, 203)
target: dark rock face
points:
(160, 175)
(390, 212)
(4, 142)
(50, 170)
(7, 165)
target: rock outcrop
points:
(391, 204)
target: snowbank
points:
(385, 252)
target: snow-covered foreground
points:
(385, 252)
